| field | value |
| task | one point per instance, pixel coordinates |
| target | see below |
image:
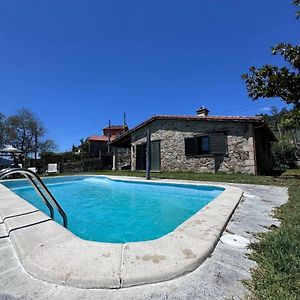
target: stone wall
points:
(171, 134)
(122, 159)
(87, 165)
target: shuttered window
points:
(197, 145)
(214, 143)
(218, 143)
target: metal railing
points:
(38, 184)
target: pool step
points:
(3, 232)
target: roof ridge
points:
(191, 117)
(209, 117)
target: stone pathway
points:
(219, 277)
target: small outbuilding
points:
(200, 143)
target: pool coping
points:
(52, 253)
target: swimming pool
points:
(119, 211)
(50, 252)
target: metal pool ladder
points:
(40, 188)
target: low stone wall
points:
(88, 165)
(71, 167)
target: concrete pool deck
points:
(51, 253)
(218, 276)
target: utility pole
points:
(124, 122)
(148, 154)
(108, 144)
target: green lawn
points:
(278, 252)
(220, 177)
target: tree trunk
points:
(278, 129)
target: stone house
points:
(200, 143)
(98, 144)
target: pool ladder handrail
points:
(46, 197)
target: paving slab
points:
(162, 259)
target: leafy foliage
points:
(284, 154)
(84, 146)
(284, 123)
(291, 120)
(273, 81)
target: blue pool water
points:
(101, 209)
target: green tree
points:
(290, 122)
(74, 148)
(285, 123)
(284, 154)
(273, 81)
(84, 146)
(276, 119)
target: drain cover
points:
(235, 241)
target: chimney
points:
(202, 112)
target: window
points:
(203, 143)
(213, 143)
(198, 145)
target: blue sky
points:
(77, 64)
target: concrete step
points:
(3, 232)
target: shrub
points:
(284, 154)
